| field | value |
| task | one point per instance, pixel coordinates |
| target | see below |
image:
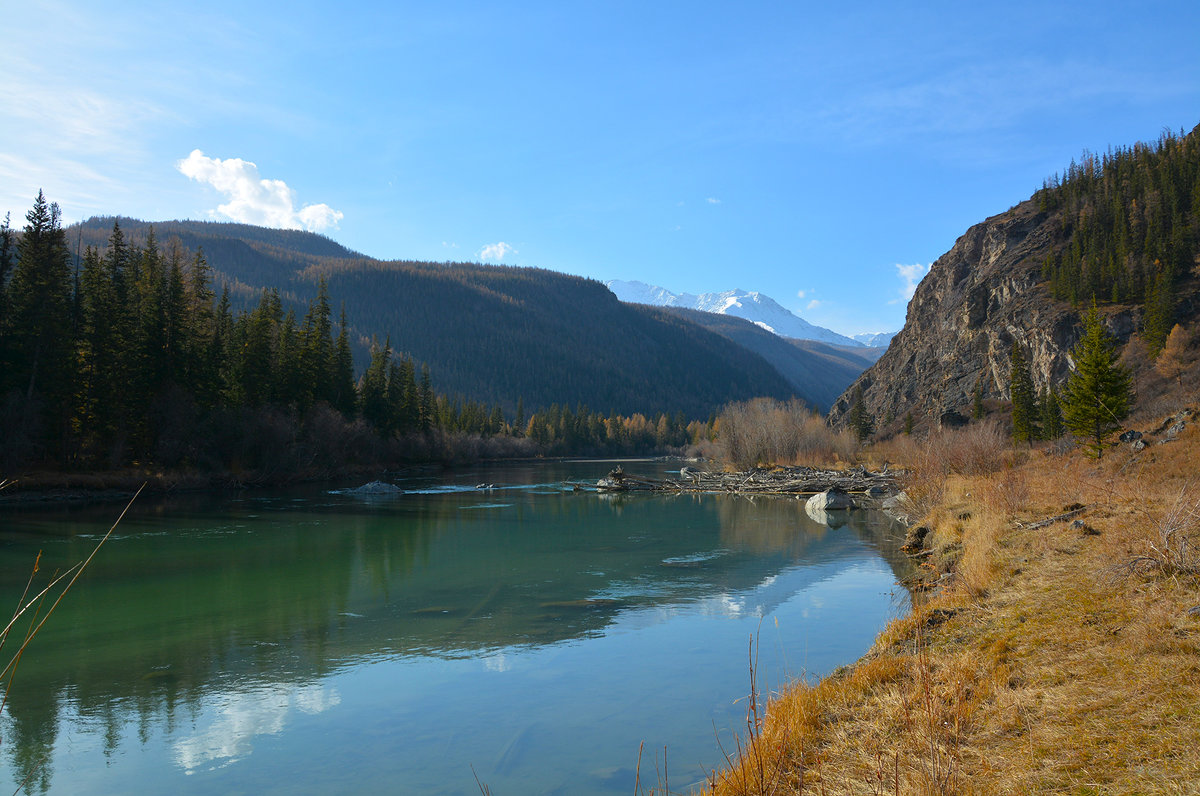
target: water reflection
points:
(239, 716)
(211, 624)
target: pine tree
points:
(1097, 397)
(1024, 402)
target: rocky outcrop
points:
(976, 299)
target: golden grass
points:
(1042, 662)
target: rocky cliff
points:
(976, 299)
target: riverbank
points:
(1049, 657)
(53, 487)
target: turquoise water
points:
(314, 641)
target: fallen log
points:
(795, 481)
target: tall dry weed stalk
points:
(34, 599)
(758, 766)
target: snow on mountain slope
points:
(753, 306)
(876, 340)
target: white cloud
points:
(911, 276)
(812, 305)
(801, 293)
(496, 251)
(254, 200)
(713, 201)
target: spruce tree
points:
(344, 397)
(861, 422)
(41, 360)
(7, 253)
(373, 387)
(1097, 397)
(1051, 412)
(1024, 402)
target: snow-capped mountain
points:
(876, 340)
(753, 306)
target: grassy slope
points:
(1040, 664)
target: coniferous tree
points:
(7, 258)
(344, 397)
(255, 367)
(222, 353)
(373, 386)
(1160, 310)
(38, 328)
(1024, 402)
(426, 401)
(175, 322)
(1097, 397)
(97, 405)
(977, 400)
(319, 358)
(519, 419)
(861, 422)
(1051, 414)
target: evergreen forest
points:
(1128, 223)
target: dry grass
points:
(1057, 659)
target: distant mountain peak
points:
(875, 339)
(756, 307)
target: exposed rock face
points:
(977, 298)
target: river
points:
(313, 640)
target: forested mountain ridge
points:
(1121, 230)
(494, 334)
(817, 371)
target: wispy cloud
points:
(496, 251)
(254, 200)
(980, 97)
(713, 200)
(911, 276)
(812, 305)
(801, 293)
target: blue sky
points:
(821, 153)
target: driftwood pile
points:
(779, 481)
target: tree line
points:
(126, 355)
